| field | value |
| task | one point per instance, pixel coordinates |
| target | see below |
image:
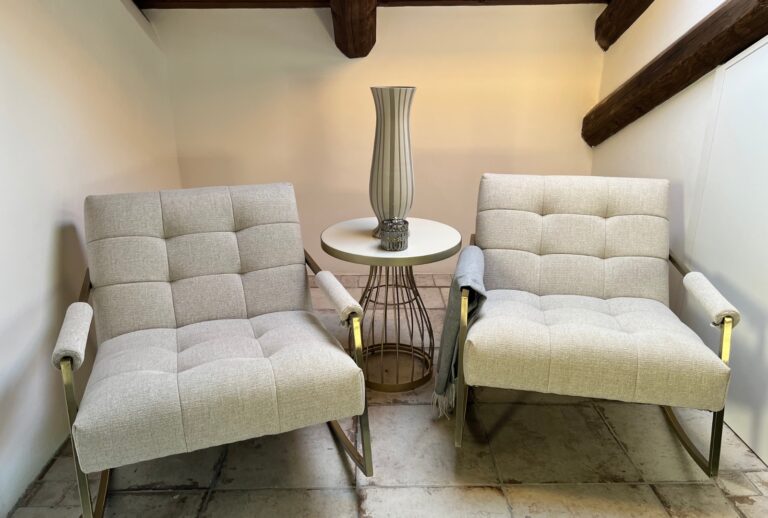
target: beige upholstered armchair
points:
(204, 328)
(576, 285)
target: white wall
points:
(83, 109)
(727, 236)
(264, 95)
(709, 140)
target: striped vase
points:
(391, 185)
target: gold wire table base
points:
(393, 351)
(398, 342)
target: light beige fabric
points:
(345, 305)
(73, 335)
(713, 302)
(578, 272)
(173, 258)
(627, 349)
(200, 300)
(577, 235)
(157, 392)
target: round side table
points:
(398, 342)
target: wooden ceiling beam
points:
(616, 19)
(728, 30)
(277, 4)
(229, 4)
(354, 26)
(412, 3)
(354, 21)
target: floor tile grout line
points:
(509, 485)
(733, 505)
(163, 491)
(527, 403)
(747, 446)
(499, 403)
(434, 486)
(659, 499)
(260, 489)
(618, 441)
(217, 469)
(728, 499)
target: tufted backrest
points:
(575, 235)
(173, 258)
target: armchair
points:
(576, 280)
(204, 330)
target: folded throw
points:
(469, 274)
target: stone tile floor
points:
(524, 455)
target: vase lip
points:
(393, 88)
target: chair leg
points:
(461, 411)
(365, 439)
(461, 386)
(101, 497)
(710, 464)
(82, 487)
(84, 490)
(363, 460)
(95, 510)
(715, 442)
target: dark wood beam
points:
(728, 30)
(271, 4)
(616, 19)
(354, 26)
(229, 4)
(354, 21)
(401, 3)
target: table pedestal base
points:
(398, 342)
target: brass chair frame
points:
(363, 460)
(709, 463)
(67, 378)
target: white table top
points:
(352, 241)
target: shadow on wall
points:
(676, 213)
(140, 19)
(326, 19)
(748, 349)
(49, 398)
(72, 265)
(207, 171)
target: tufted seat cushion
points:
(627, 349)
(157, 392)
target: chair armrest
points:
(713, 302)
(73, 335)
(470, 269)
(346, 305)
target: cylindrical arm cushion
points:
(73, 335)
(344, 303)
(716, 306)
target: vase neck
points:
(393, 102)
